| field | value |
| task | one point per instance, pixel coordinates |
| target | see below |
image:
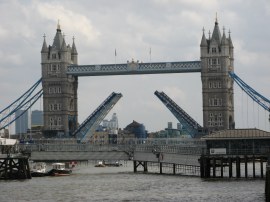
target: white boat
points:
(59, 169)
(38, 169)
(100, 164)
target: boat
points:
(100, 164)
(113, 164)
(108, 164)
(59, 169)
(38, 169)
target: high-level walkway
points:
(134, 68)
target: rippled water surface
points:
(88, 183)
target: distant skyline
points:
(172, 30)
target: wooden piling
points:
(160, 168)
(221, 167)
(246, 167)
(253, 163)
(214, 167)
(230, 167)
(238, 167)
(267, 184)
(261, 162)
(134, 166)
(145, 168)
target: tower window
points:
(214, 50)
(215, 61)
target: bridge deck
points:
(134, 68)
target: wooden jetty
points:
(210, 163)
(14, 167)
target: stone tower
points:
(59, 89)
(217, 87)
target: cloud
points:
(70, 21)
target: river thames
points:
(89, 183)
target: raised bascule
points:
(60, 72)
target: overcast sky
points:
(173, 31)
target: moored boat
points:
(100, 164)
(59, 169)
(38, 169)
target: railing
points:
(250, 151)
(123, 141)
(189, 148)
(72, 147)
(140, 145)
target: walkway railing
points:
(170, 145)
(154, 145)
(255, 151)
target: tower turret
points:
(44, 50)
(217, 86)
(74, 53)
(224, 44)
(204, 45)
(59, 90)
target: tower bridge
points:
(60, 72)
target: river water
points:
(89, 183)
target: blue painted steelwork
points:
(134, 68)
(24, 102)
(189, 124)
(90, 124)
(257, 97)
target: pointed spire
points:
(230, 40)
(44, 46)
(74, 50)
(58, 26)
(203, 41)
(224, 40)
(216, 32)
(58, 39)
(64, 45)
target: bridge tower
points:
(59, 89)
(217, 59)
